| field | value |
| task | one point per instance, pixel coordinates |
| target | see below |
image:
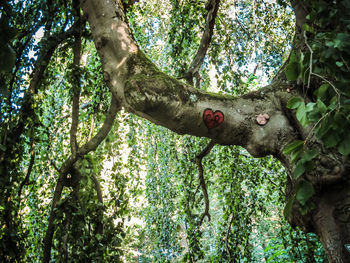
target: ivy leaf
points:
(294, 103)
(2, 148)
(342, 40)
(323, 127)
(299, 169)
(310, 106)
(294, 146)
(330, 139)
(321, 90)
(292, 71)
(321, 106)
(309, 155)
(301, 114)
(304, 191)
(308, 28)
(288, 208)
(314, 115)
(339, 63)
(329, 43)
(295, 155)
(344, 146)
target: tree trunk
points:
(258, 121)
(332, 221)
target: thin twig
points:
(310, 63)
(330, 83)
(313, 128)
(29, 171)
(199, 158)
(324, 116)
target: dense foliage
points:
(325, 61)
(138, 196)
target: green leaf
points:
(8, 58)
(299, 169)
(342, 40)
(292, 71)
(296, 155)
(314, 115)
(310, 106)
(330, 139)
(301, 114)
(321, 90)
(293, 57)
(294, 103)
(304, 191)
(329, 43)
(2, 148)
(308, 28)
(311, 16)
(323, 127)
(309, 155)
(301, 111)
(344, 146)
(339, 64)
(288, 208)
(294, 146)
(321, 106)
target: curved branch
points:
(193, 71)
(142, 89)
(67, 167)
(199, 158)
(36, 77)
(103, 132)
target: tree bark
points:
(141, 88)
(332, 221)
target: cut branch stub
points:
(212, 119)
(262, 119)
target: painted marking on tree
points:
(212, 119)
(262, 119)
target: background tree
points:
(59, 137)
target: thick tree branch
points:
(144, 90)
(193, 71)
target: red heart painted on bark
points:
(212, 119)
